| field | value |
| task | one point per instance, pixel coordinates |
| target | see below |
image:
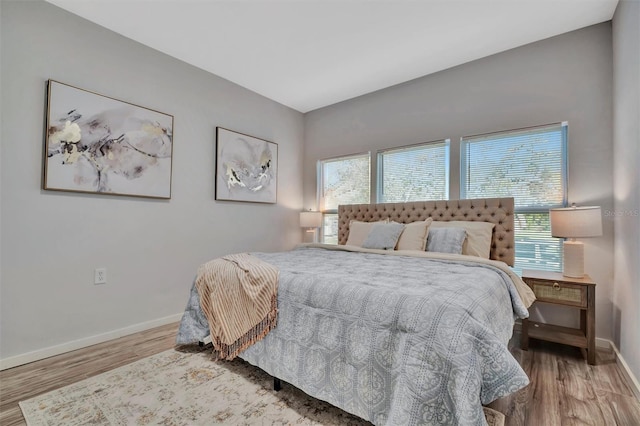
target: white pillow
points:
(478, 241)
(358, 232)
(414, 236)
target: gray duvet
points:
(395, 340)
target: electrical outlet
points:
(100, 276)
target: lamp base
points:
(573, 254)
(310, 235)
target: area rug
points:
(186, 388)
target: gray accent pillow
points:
(446, 240)
(383, 236)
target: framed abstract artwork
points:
(97, 144)
(246, 168)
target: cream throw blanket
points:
(238, 295)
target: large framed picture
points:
(97, 144)
(246, 168)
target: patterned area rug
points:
(186, 388)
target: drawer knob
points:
(556, 286)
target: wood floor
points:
(564, 389)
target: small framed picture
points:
(246, 168)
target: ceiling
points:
(307, 54)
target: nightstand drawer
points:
(559, 292)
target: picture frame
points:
(101, 145)
(246, 168)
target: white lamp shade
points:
(310, 219)
(576, 222)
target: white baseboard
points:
(28, 357)
(604, 344)
(632, 380)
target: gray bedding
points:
(395, 340)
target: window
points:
(529, 165)
(413, 173)
(343, 180)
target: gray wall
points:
(565, 78)
(52, 241)
(626, 173)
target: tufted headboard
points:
(495, 210)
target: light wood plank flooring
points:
(564, 389)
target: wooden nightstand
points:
(555, 288)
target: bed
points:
(396, 337)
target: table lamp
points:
(575, 222)
(311, 220)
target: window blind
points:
(529, 165)
(342, 180)
(418, 172)
(345, 180)
(535, 248)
